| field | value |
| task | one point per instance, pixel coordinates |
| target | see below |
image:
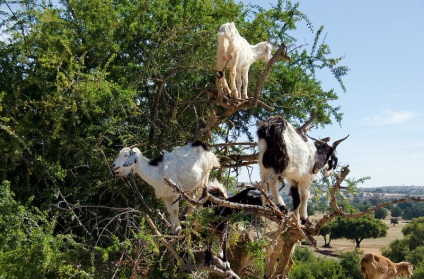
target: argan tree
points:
(358, 229)
(81, 79)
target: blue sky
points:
(382, 42)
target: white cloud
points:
(390, 117)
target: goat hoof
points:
(284, 208)
(176, 230)
(227, 266)
(305, 221)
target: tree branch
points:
(234, 144)
(280, 53)
(337, 212)
(171, 249)
(271, 213)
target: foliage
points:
(350, 264)
(325, 232)
(413, 210)
(381, 213)
(410, 246)
(29, 248)
(396, 211)
(358, 229)
(306, 265)
(394, 221)
(69, 101)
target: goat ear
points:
(327, 139)
(131, 159)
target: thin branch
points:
(271, 213)
(280, 53)
(70, 208)
(307, 125)
(174, 253)
(238, 164)
(234, 144)
(218, 271)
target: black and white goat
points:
(284, 152)
(188, 166)
(249, 196)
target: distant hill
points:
(403, 190)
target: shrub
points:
(28, 247)
(308, 266)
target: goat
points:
(247, 196)
(374, 266)
(236, 54)
(219, 229)
(188, 166)
(404, 269)
(284, 152)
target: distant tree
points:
(358, 229)
(325, 232)
(376, 199)
(323, 204)
(361, 205)
(381, 213)
(311, 210)
(405, 205)
(396, 211)
(414, 210)
(394, 221)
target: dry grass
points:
(367, 245)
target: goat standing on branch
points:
(248, 196)
(236, 54)
(189, 166)
(283, 152)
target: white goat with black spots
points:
(188, 166)
(284, 152)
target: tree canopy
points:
(358, 229)
(81, 79)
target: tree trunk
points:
(358, 243)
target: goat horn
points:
(320, 141)
(138, 144)
(339, 141)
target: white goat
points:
(284, 152)
(188, 166)
(236, 54)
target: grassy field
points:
(367, 245)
